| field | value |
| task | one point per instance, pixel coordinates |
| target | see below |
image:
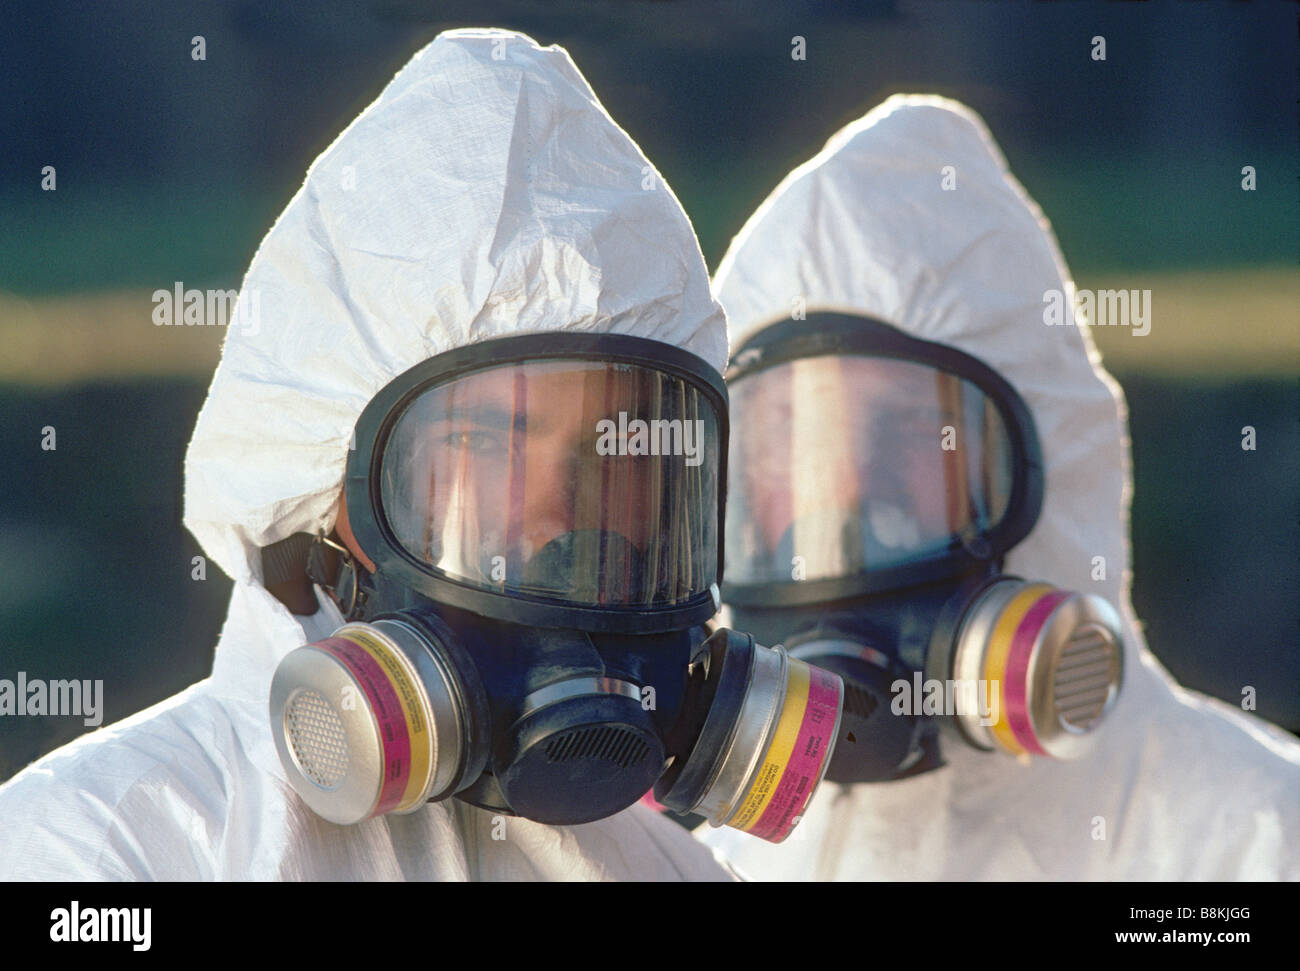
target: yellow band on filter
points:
(409, 698)
(778, 754)
(995, 660)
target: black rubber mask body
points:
(581, 758)
(926, 632)
(873, 643)
(530, 640)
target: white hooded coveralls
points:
(485, 193)
(1180, 786)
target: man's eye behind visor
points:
(849, 464)
(586, 482)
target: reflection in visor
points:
(590, 482)
(848, 464)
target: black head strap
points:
(284, 573)
(331, 566)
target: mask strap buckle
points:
(332, 567)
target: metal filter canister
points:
(1056, 658)
(364, 722)
(766, 743)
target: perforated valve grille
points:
(858, 701)
(625, 749)
(1083, 677)
(316, 736)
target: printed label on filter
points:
(797, 756)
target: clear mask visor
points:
(843, 465)
(590, 483)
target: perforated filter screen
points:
(1084, 676)
(616, 745)
(317, 739)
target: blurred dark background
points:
(171, 169)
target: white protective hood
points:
(1180, 786)
(485, 193)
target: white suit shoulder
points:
(103, 806)
(1227, 775)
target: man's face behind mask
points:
(557, 478)
(848, 463)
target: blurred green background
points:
(170, 169)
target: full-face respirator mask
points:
(877, 483)
(544, 513)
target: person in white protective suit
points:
(889, 326)
(485, 194)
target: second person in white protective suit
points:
(904, 415)
(483, 267)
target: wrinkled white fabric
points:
(485, 193)
(1180, 786)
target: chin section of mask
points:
(583, 749)
(877, 741)
(763, 726)
(1045, 666)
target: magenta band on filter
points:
(1022, 648)
(801, 773)
(394, 737)
(649, 800)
